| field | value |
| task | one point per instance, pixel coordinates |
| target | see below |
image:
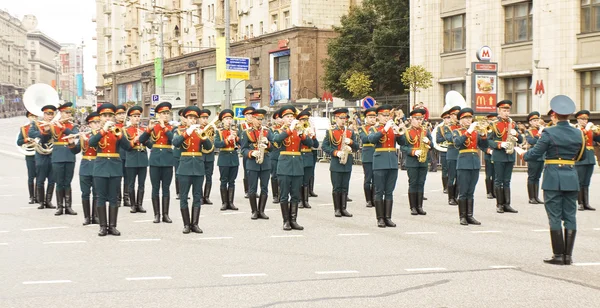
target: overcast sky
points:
(66, 21)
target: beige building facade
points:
(542, 48)
(13, 59)
(43, 58)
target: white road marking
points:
(145, 220)
(213, 238)
(3, 244)
(419, 233)
(233, 213)
(6, 195)
(4, 231)
(324, 204)
(425, 269)
(28, 207)
(596, 229)
(47, 281)
(335, 272)
(141, 240)
(40, 229)
(244, 275)
(587, 264)
(502, 266)
(284, 236)
(540, 230)
(271, 210)
(487, 231)
(148, 278)
(353, 234)
(65, 242)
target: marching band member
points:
(242, 127)
(489, 164)
(136, 160)
(585, 167)
(108, 169)
(339, 143)
(416, 144)
(441, 145)
(452, 155)
(385, 165)
(307, 157)
(29, 159)
(290, 168)
(499, 140)
(177, 150)
(275, 149)
(208, 156)
(159, 137)
(86, 169)
(43, 161)
(467, 139)
(534, 167)
(228, 162)
(368, 149)
(191, 168)
(257, 140)
(63, 160)
(120, 117)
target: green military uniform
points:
(534, 167)
(228, 161)
(309, 163)
(242, 127)
(585, 167)
(29, 160)
(441, 145)
(366, 158)
(177, 155)
(274, 154)
(337, 141)
(503, 162)
(563, 145)
(451, 158)
(123, 194)
(208, 155)
(63, 163)
(43, 163)
(136, 163)
(489, 164)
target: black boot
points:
(126, 200)
(412, 202)
(176, 188)
(102, 216)
(207, 189)
(586, 199)
(470, 219)
(185, 216)
(368, 197)
(293, 216)
(253, 206)
(558, 248)
(41, 197)
(451, 195)
(536, 190)
(311, 186)
(195, 219)
(420, 204)
(569, 244)
(275, 189)
(301, 205)
(379, 213)
(389, 204)
(224, 199)
(507, 207)
(132, 199)
(262, 203)
(165, 210)
(86, 211)
(156, 208)
(489, 189)
(60, 198)
(231, 195)
(499, 199)
(580, 199)
(113, 213)
(139, 200)
(31, 193)
(344, 205)
(49, 195)
(246, 187)
(95, 219)
(530, 193)
(285, 214)
(68, 196)
(337, 204)
(306, 194)
(445, 184)
(462, 211)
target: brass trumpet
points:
(115, 130)
(482, 125)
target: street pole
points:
(162, 53)
(227, 40)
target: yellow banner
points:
(237, 75)
(220, 55)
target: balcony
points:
(107, 9)
(199, 29)
(196, 2)
(131, 50)
(131, 24)
(107, 32)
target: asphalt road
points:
(427, 261)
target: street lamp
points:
(249, 89)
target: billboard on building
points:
(79, 78)
(282, 89)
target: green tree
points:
(359, 84)
(416, 77)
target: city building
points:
(71, 81)
(43, 58)
(285, 41)
(542, 49)
(13, 61)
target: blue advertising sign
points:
(152, 113)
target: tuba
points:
(39, 95)
(424, 147)
(27, 149)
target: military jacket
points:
(333, 142)
(440, 139)
(86, 166)
(191, 162)
(177, 150)
(307, 151)
(122, 151)
(136, 153)
(160, 140)
(452, 153)
(60, 151)
(108, 161)
(249, 144)
(228, 154)
(590, 157)
(368, 148)
(23, 138)
(468, 144)
(411, 142)
(275, 147)
(384, 155)
(499, 133)
(532, 136)
(560, 143)
(209, 153)
(45, 137)
(290, 160)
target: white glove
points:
(418, 152)
(347, 140)
(472, 127)
(107, 125)
(262, 146)
(519, 150)
(589, 126)
(388, 124)
(294, 123)
(491, 152)
(541, 130)
(339, 154)
(425, 140)
(254, 154)
(191, 129)
(513, 132)
(504, 145)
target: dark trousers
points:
(467, 181)
(274, 170)
(63, 175)
(31, 174)
(43, 168)
(244, 160)
(561, 206)
(289, 187)
(309, 172)
(209, 169)
(161, 177)
(416, 179)
(503, 174)
(489, 170)
(195, 182)
(584, 172)
(86, 183)
(534, 171)
(254, 177)
(340, 181)
(368, 171)
(125, 176)
(176, 167)
(444, 163)
(451, 171)
(107, 190)
(228, 176)
(384, 181)
(139, 173)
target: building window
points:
(454, 33)
(590, 90)
(517, 90)
(274, 24)
(251, 30)
(458, 87)
(590, 16)
(282, 68)
(287, 20)
(518, 22)
(192, 79)
(262, 28)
